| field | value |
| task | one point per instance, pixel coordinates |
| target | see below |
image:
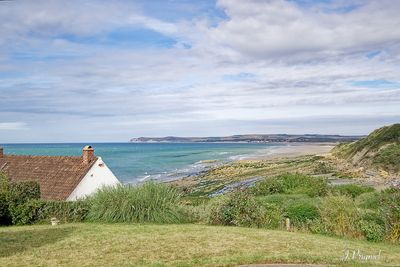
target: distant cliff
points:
(249, 138)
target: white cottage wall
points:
(97, 177)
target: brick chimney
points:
(1, 152)
(87, 154)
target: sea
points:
(134, 163)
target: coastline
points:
(294, 150)
(281, 150)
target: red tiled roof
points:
(58, 176)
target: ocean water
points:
(138, 162)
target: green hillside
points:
(380, 149)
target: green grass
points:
(175, 245)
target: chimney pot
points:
(87, 154)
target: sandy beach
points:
(295, 150)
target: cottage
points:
(60, 177)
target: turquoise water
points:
(136, 162)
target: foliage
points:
(370, 200)
(22, 209)
(25, 212)
(372, 230)
(292, 183)
(64, 211)
(150, 202)
(274, 215)
(21, 192)
(351, 190)
(239, 208)
(339, 216)
(390, 211)
(299, 208)
(284, 199)
(302, 212)
(5, 217)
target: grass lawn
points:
(175, 245)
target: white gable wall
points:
(97, 177)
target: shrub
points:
(65, 211)
(150, 202)
(26, 212)
(317, 226)
(370, 200)
(22, 210)
(351, 190)
(292, 183)
(273, 215)
(339, 216)
(301, 213)
(390, 211)
(21, 192)
(239, 208)
(5, 217)
(372, 230)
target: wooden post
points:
(287, 222)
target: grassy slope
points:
(381, 148)
(174, 245)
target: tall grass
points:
(150, 202)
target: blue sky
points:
(112, 70)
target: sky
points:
(107, 71)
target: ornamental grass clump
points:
(150, 202)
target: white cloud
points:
(12, 126)
(281, 29)
(301, 60)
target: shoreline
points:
(289, 150)
(294, 150)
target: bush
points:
(301, 213)
(339, 216)
(351, 190)
(370, 200)
(22, 210)
(5, 217)
(299, 208)
(372, 230)
(390, 211)
(26, 212)
(292, 183)
(64, 211)
(274, 215)
(150, 202)
(239, 208)
(283, 200)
